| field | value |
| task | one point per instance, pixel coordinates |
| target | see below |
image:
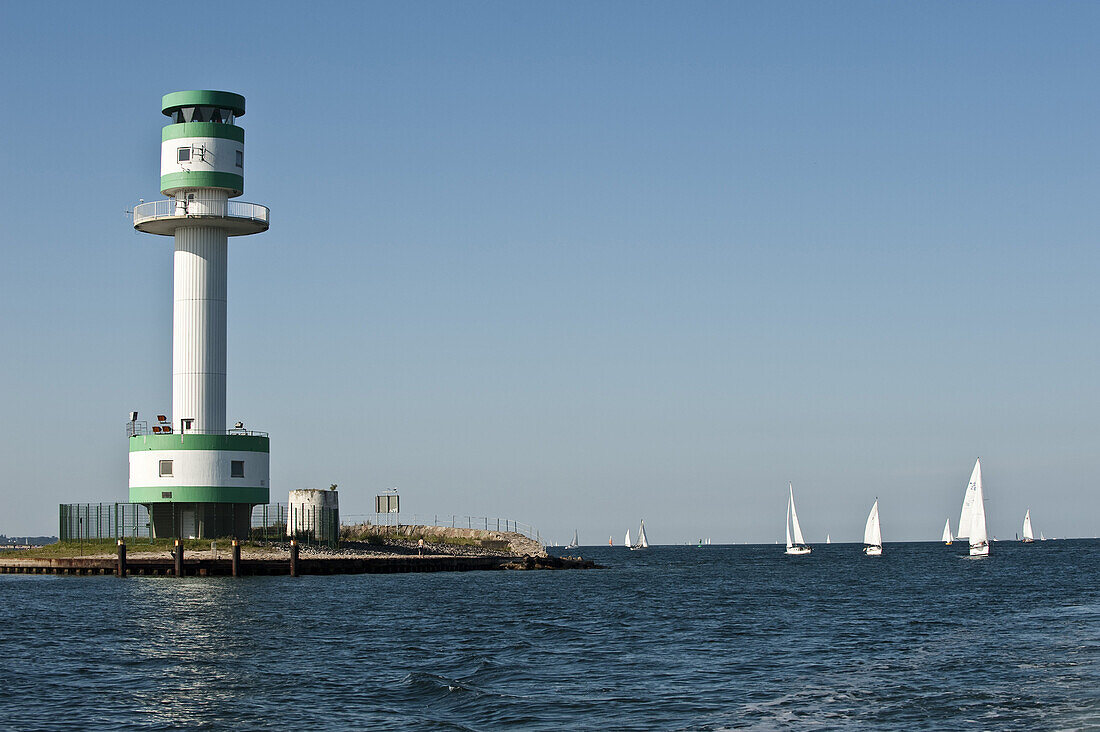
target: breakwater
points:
(328, 565)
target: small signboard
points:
(387, 504)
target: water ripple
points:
(676, 638)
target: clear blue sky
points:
(580, 263)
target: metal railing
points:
(136, 429)
(451, 520)
(174, 208)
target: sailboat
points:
(1029, 536)
(947, 533)
(828, 540)
(872, 533)
(972, 517)
(798, 546)
(626, 541)
(1042, 537)
(573, 544)
(643, 543)
(610, 541)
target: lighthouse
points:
(198, 476)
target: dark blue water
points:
(675, 638)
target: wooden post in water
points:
(293, 558)
(179, 558)
(236, 558)
(121, 571)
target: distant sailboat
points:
(643, 543)
(626, 542)
(947, 533)
(573, 544)
(610, 541)
(1029, 536)
(872, 533)
(966, 515)
(828, 540)
(1042, 537)
(972, 517)
(798, 545)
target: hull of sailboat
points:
(873, 551)
(798, 550)
(981, 550)
(1027, 541)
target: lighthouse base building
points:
(198, 478)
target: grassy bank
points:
(503, 541)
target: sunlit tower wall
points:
(198, 478)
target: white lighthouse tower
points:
(198, 478)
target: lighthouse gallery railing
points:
(173, 208)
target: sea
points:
(670, 638)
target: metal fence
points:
(271, 522)
(274, 522)
(311, 525)
(78, 521)
(452, 520)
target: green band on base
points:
(199, 494)
(175, 441)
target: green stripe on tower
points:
(198, 494)
(176, 441)
(202, 129)
(202, 179)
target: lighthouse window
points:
(166, 468)
(183, 154)
(236, 469)
(240, 159)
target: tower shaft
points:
(198, 329)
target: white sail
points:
(977, 533)
(966, 516)
(642, 541)
(795, 528)
(872, 532)
(828, 540)
(947, 538)
(626, 541)
(787, 524)
(1028, 534)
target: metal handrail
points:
(175, 208)
(137, 429)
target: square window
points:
(166, 468)
(183, 154)
(240, 159)
(236, 469)
(166, 494)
